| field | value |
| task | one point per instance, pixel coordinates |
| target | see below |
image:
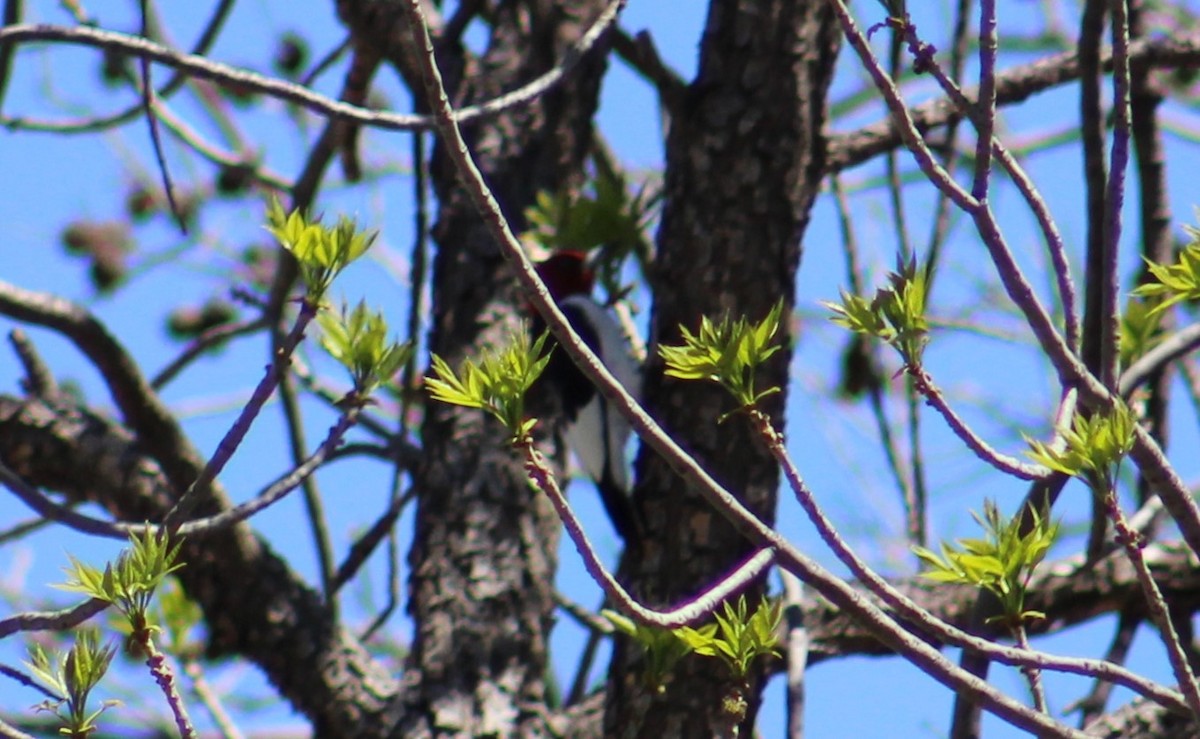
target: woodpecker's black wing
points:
(595, 431)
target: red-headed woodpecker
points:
(595, 432)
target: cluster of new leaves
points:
(1001, 562)
(1175, 282)
(735, 637)
(896, 315)
(1092, 447)
(359, 341)
(609, 220)
(497, 383)
(727, 352)
(72, 677)
(321, 251)
(130, 583)
(661, 647)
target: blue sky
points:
(995, 383)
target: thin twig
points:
(985, 118)
(194, 140)
(1155, 605)
(917, 506)
(210, 699)
(164, 677)
(9, 732)
(1146, 98)
(327, 61)
(152, 122)
(203, 68)
(314, 509)
(272, 494)
(21, 528)
(583, 616)
(640, 53)
(63, 620)
(1115, 197)
(208, 37)
(1168, 350)
(1012, 86)
(901, 117)
(958, 55)
(690, 611)
(1032, 674)
(914, 492)
(39, 380)
(1009, 465)
(1091, 706)
(241, 426)
(210, 339)
(1025, 185)
(874, 383)
(365, 545)
(1072, 371)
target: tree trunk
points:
(484, 557)
(744, 162)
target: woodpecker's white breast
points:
(599, 433)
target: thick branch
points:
(1012, 86)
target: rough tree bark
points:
(481, 590)
(744, 162)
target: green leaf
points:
(1092, 446)
(179, 615)
(620, 623)
(896, 315)
(321, 252)
(1001, 561)
(604, 215)
(130, 582)
(39, 664)
(663, 647)
(737, 639)
(496, 383)
(1175, 282)
(359, 341)
(727, 352)
(73, 677)
(446, 386)
(85, 579)
(1141, 330)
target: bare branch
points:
(1013, 86)
(200, 67)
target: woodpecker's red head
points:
(567, 273)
